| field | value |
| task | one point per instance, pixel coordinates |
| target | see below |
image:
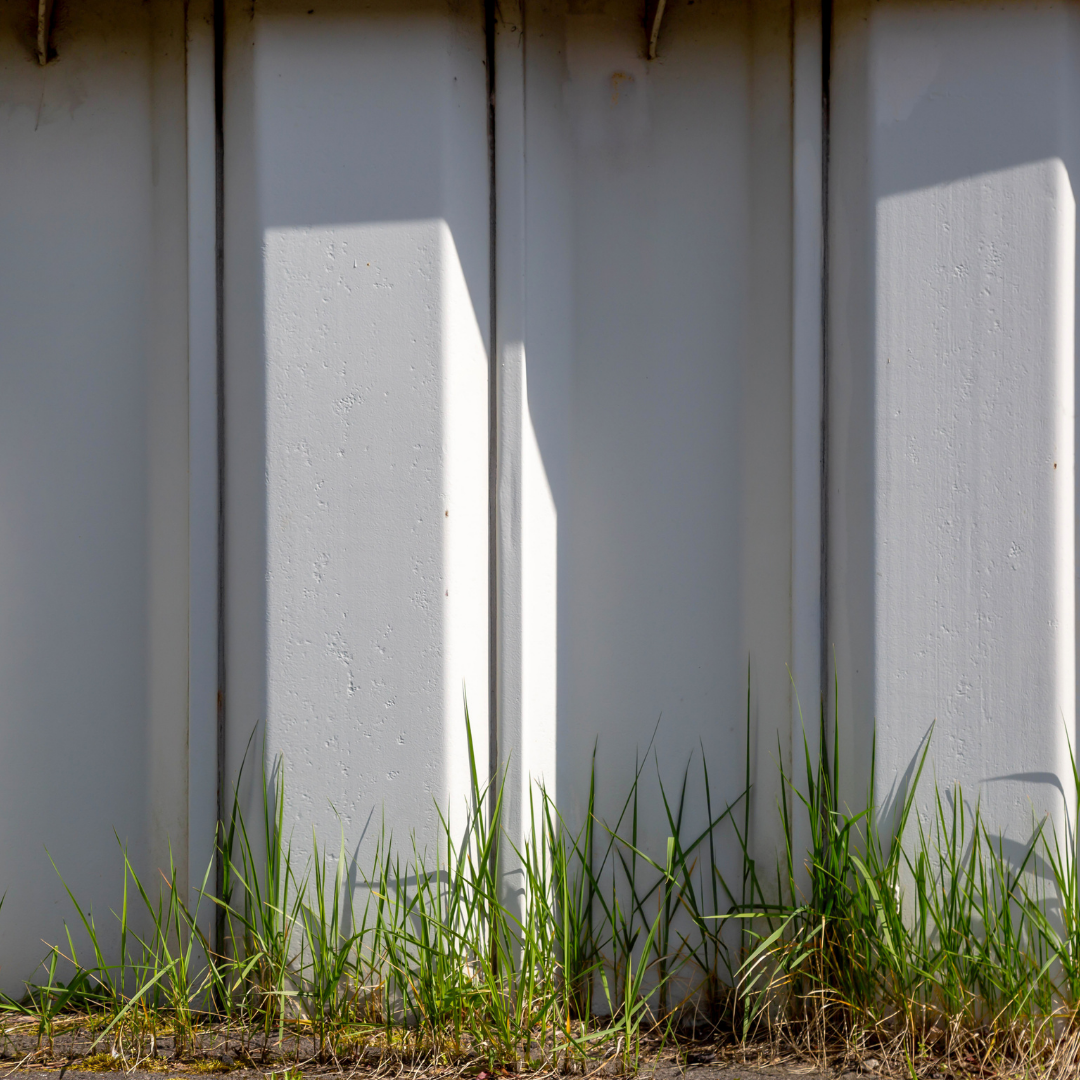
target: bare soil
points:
(221, 1052)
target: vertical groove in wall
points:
(493, 414)
(826, 64)
(219, 276)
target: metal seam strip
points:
(219, 274)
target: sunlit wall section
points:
(951, 352)
(357, 316)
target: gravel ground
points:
(219, 1056)
(664, 1070)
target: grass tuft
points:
(920, 944)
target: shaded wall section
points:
(93, 461)
(657, 337)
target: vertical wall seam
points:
(807, 378)
(826, 75)
(219, 282)
(493, 413)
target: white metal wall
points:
(657, 372)
(953, 306)
(357, 313)
(656, 443)
(93, 461)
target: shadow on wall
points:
(639, 330)
(658, 354)
(93, 472)
(358, 309)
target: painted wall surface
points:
(952, 356)
(93, 461)
(551, 393)
(357, 316)
(657, 274)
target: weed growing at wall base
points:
(922, 943)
